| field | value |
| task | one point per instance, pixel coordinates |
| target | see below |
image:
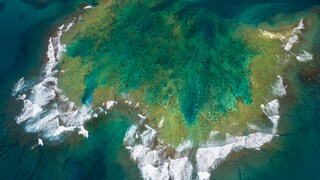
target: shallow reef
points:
(197, 70)
(193, 58)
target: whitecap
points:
(147, 136)
(160, 125)
(128, 102)
(21, 97)
(272, 35)
(305, 56)
(29, 110)
(18, 87)
(42, 94)
(279, 89)
(294, 36)
(83, 132)
(87, 7)
(129, 136)
(60, 130)
(109, 104)
(142, 118)
(40, 142)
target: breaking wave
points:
(46, 111)
(293, 39)
(161, 161)
(279, 89)
(153, 157)
(305, 56)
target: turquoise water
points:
(293, 154)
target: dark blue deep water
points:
(24, 32)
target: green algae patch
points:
(71, 79)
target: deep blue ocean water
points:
(294, 154)
(15, 18)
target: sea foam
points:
(155, 162)
(46, 111)
(305, 56)
(279, 89)
(87, 7)
(293, 39)
(109, 104)
(18, 87)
